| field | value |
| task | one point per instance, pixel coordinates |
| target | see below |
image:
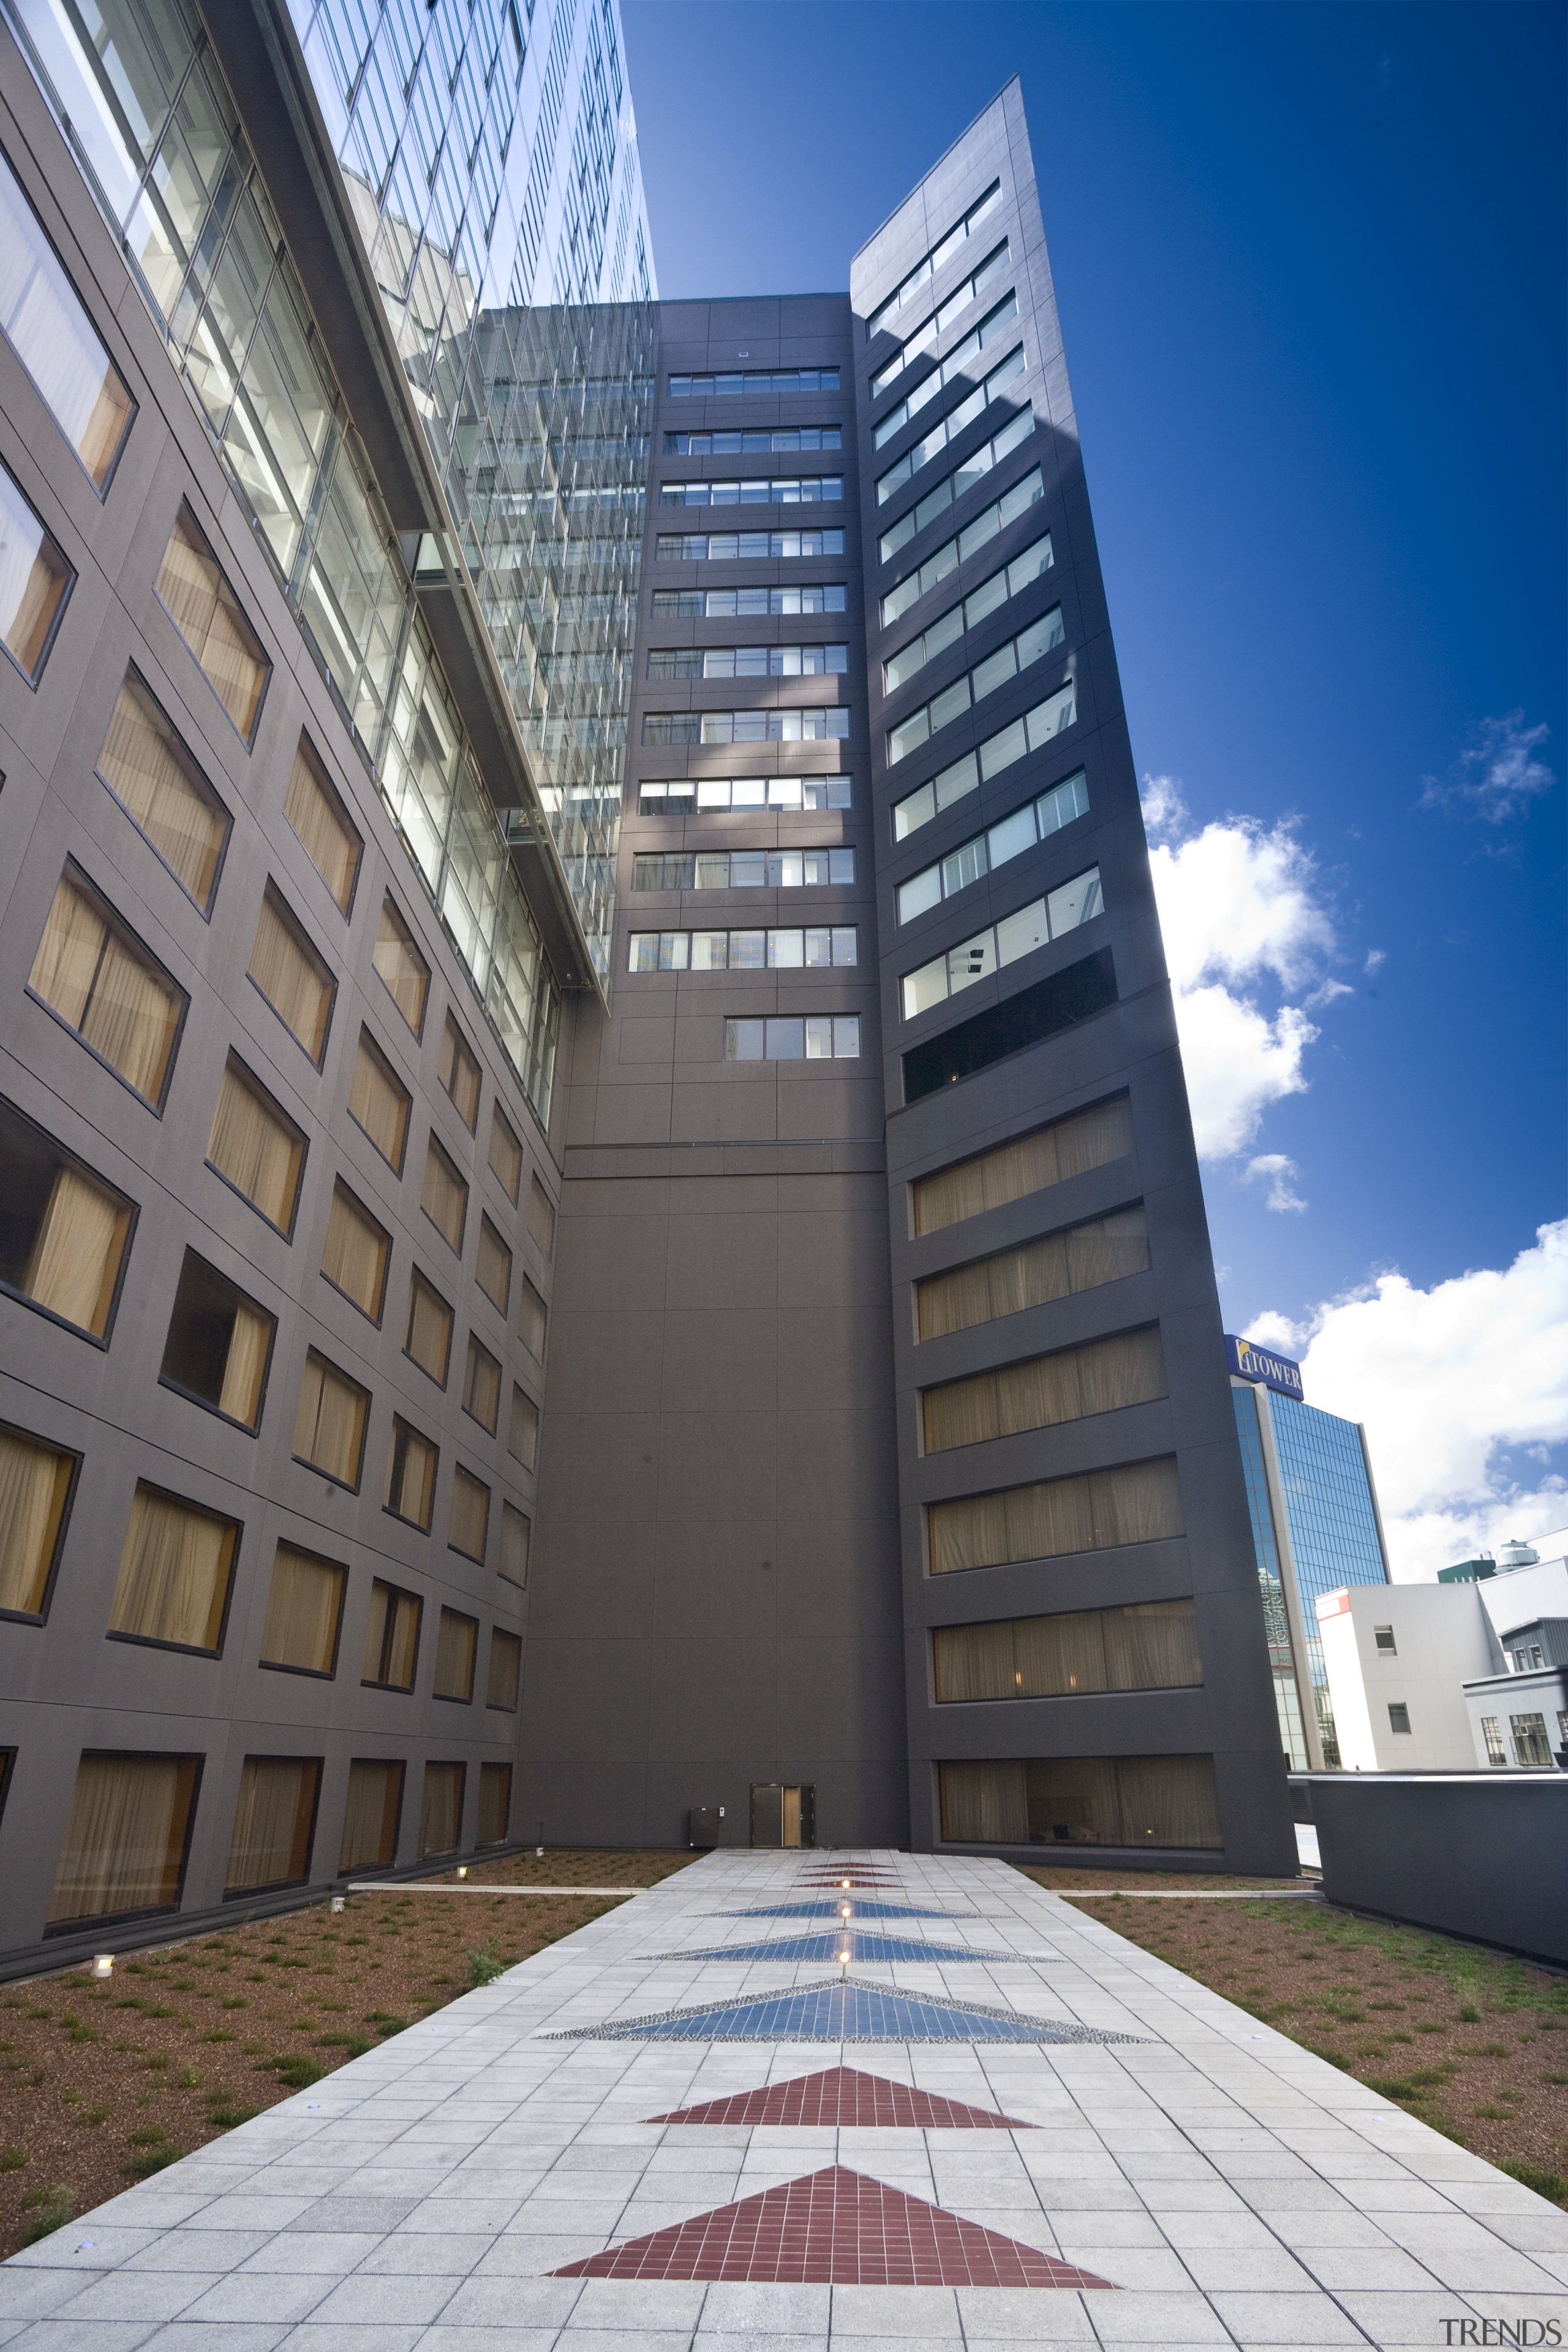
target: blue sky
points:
(1310, 268)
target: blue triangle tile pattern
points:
(859, 1945)
(840, 2012)
(831, 1911)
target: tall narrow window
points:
(441, 1808)
(45, 322)
(274, 1823)
(506, 1669)
(34, 1490)
(515, 1531)
(522, 1436)
(481, 1386)
(34, 580)
(328, 835)
(410, 1463)
(175, 1573)
(493, 1268)
(392, 1637)
(104, 984)
(295, 980)
(506, 1154)
(541, 1219)
(404, 971)
(1029, 1163)
(444, 1196)
(256, 1148)
(63, 1232)
(371, 1813)
(164, 792)
(329, 1429)
(430, 1335)
(355, 1257)
(456, 1640)
(208, 614)
(379, 1102)
(219, 1344)
(304, 1613)
(127, 1839)
(495, 1804)
(460, 1075)
(469, 1521)
(533, 1321)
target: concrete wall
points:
(1441, 1638)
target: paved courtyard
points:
(996, 2122)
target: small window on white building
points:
(1384, 1636)
(1491, 1732)
(1531, 1744)
(1398, 1716)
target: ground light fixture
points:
(103, 1964)
(462, 1870)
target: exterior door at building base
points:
(781, 1816)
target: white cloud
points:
(1496, 775)
(1376, 958)
(1464, 1391)
(1277, 1171)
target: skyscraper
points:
(467, 913)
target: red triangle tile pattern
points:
(833, 2228)
(841, 2096)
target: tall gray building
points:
(597, 1211)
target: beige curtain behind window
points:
(482, 1387)
(506, 1155)
(125, 1840)
(455, 1639)
(404, 971)
(1152, 1646)
(541, 1219)
(291, 977)
(429, 1329)
(1138, 1502)
(1108, 1248)
(444, 1196)
(1053, 1266)
(460, 1075)
(303, 1610)
(316, 814)
(411, 1475)
(467, 1529)
(1166, 1801)
(380, 1104)
(493, 1269)
(204, 611)
(329, 1429)
(495, 1803)
(33, 1484)
(355, 1255)
(974, 1662)
(1072, 1800)
(174, 1572)
(514, 1535)
(150, 773)
(370, 1816)
(531, 1320)
(66, 965)
(247, 1366)
(272, 1822)
(506, 1667)
(1029, 1163)
(984, 1805)
(74, 1262)
(522, 1437)
(252, 1147)
(132, 1019)
(441, 1808)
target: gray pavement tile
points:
(372, 2216)
(1166, 2320)
(84, 2335)
(1264, 2318)
(328, 2253)
(139, 2294)
(198, 2250)
(444, 2338)
(1402, 2317)
(1384, 2267)
(334, 2338)
(29, 2295)
(82, 2246)
(913, 2312)
(749, 2311)
(261, 2295)
(1002, 2315)
(362, 2300)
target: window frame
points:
(450, 1698)
(411, 939)
(131, 671)
(306, 750)
(309, 1674)
(276, 1885)
(417, 1274)
(183, 509)
(272, 896)
(399, 1592)
(74, 1159)
(41, 1615)
(116, 924)
(135, 408)
(341, 1183)
(175, 1388)
(195, 1756)
(401, 1422)
(33, 679)
(367, 1037)
(315, 1467)
(249, 1079)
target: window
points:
(506, 1669)
(735, 445)
(1063, 909)
(219, 1344)
(304, 1613)
(1027, 1163)
(745, 870)
(328, 1428)
(405, 974)
(774, 950)
(492, 1267)
(1030, 645)
(974, 535)
(1151, 1646)
(1137, 1502)
(721, 387)
(158, 784)
(63, 1233)
(469, 1520)
(1398, 1716)
(1034, 1013)
(391, 1638)
(295, 980)
(379, 1102)
(748, 661)
(481, 1386)
(968, 614)
(950, 488)
(787, 490)
(327, 834)
(827, 724)
(444, 1196)
(100, 980)
(176, 1568)
(1102, 1801)
(411, 1462)
(274, 1823)
(910, 287)
(429, 1338)
(127, 1838)
(43, 321)
(738, 604)
(371, 1814)
(459, 1074)
(947, 429)
(515, 1531)
(1491, 1733)
(714, 793)
(36, 581)
(533, 1321)
(1382, 1636)
(1072, 1384)
(457, 1639)
(206, 613)
(1101, 1249)
(441, 1808)
(937, 322)
(818, 1037)
(256, 1147)
(357, 1252)
(34, 1494)
(1531, 1744)
(505, 1154)
(974, 859)
(746, 546)
(495, 1804)
(540, 1219)
(522, 1434)
(952, 369)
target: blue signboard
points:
(1250, 1363)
